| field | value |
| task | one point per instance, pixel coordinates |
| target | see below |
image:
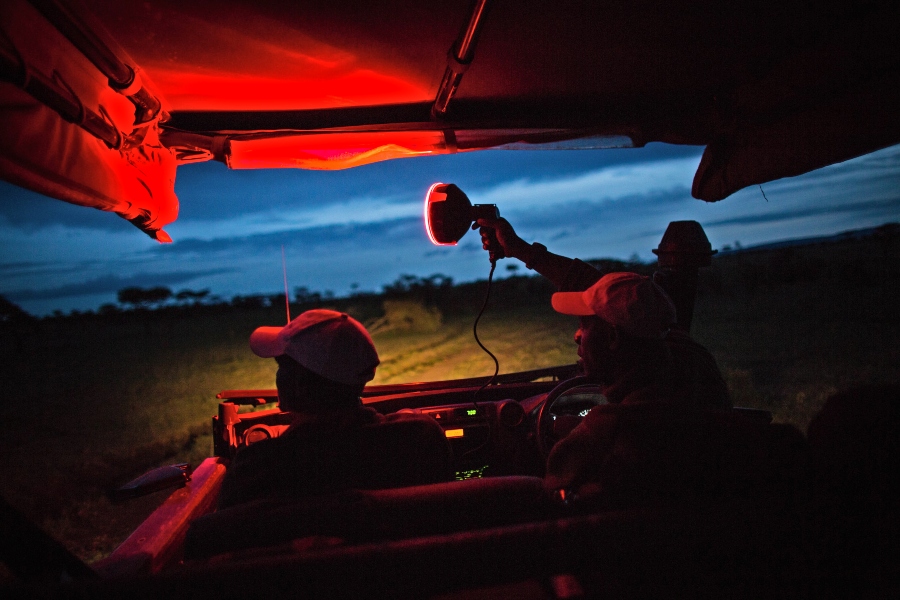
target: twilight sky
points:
(362, 228)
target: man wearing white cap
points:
(694, 371)
(652, 445)
(325, 358)
(621, 343)
(621, 338)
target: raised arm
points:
(567, 274)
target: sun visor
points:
(127, 171)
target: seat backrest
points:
(659, 454)
(402, 453)
(352, 516)
(855, 482)
(312, 460)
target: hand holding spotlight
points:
(449, 214)
(499, 230)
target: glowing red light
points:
(253, 91)
(433, 196)
(331, 151)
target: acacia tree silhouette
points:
(144, 298)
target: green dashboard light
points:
(471, 412)
(476, 473)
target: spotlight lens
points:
(436, 193)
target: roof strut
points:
(91, 44)
(56, 95)
(459, 58)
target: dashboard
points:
(488, 438)
(480, 434)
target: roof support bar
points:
(91, 44)
(57, 95)
(459, 58)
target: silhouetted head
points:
(325, 359)
(624, 319)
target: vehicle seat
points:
(663, 458)
(654, 455)
(354, 516)
(402, 453)
(854, 451)
(312, 461)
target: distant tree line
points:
(11, 313)
(436, 291)
(859, 259)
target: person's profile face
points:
(290, 381)
(593, 339)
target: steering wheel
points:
(544, 425)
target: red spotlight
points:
(449, 214)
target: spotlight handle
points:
(489, 239)
(495, 250)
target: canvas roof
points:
(771, 89)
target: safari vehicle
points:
(102, 103)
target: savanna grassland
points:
(91, 401)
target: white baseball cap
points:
(631, 302)
(328, 343)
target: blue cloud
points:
(882, 207)
(27, 210)
(356, 235)
(109, 283)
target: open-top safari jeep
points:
(101, 103)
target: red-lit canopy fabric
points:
(44, 152)
(771, 89)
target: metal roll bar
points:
(459, 58)
(101, 51)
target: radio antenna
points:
(287, 299)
